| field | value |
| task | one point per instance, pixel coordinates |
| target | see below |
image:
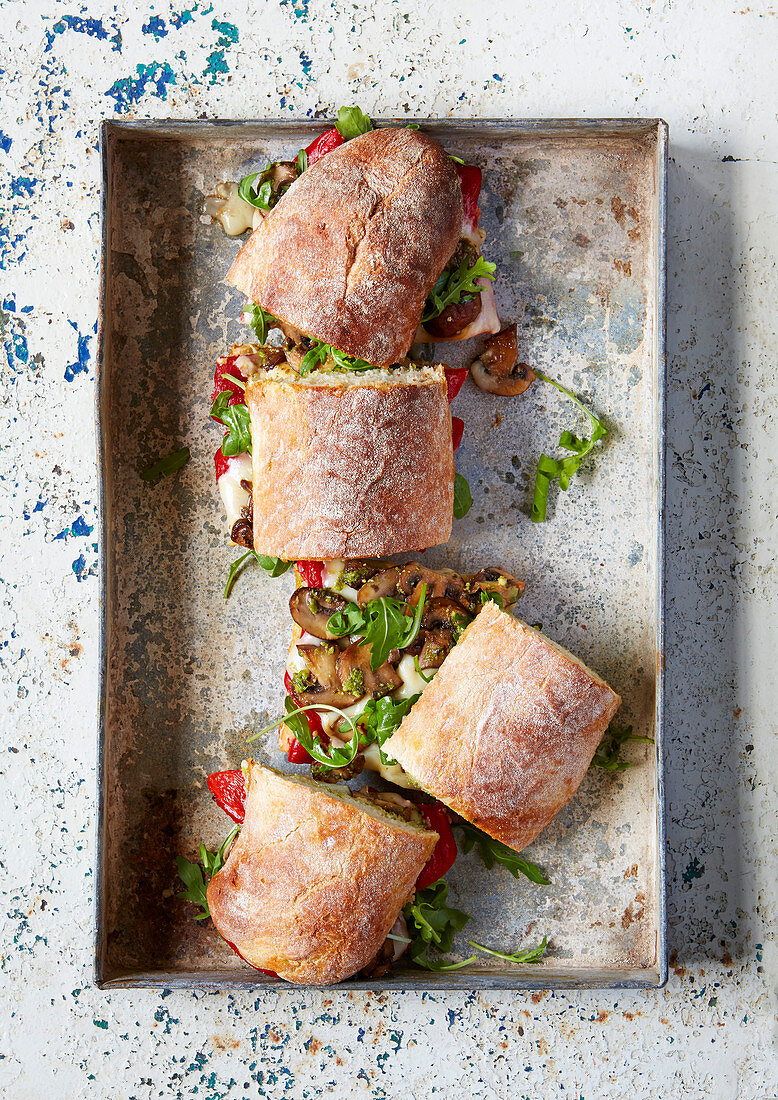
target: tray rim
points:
(521, 978)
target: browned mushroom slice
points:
(312, 608)
(356, 674)
(454, 318)
(413, 574)
(444, 612)
(491, 579)
(327, 689)
(496, 369)
(437, 645)
(382, 584)
(282, 172)
(355, 572)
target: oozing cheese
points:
(234, 496)
(234, 213)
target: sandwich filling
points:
(369, 637)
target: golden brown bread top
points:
(350, 465)
(352, 250)
(313, 883)
(507, 729)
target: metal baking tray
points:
(574, 213)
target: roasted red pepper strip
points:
(229, 790)
(455, 380)
(444, 852)
(311, 572)
(270, 973)
(221, 462)
(470, 182)
(225, 371)
(457, 431)
(324, 144)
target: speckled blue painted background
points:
(708, 68)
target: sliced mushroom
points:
(413, 574)
(382, 584)
(444, 612)
(356, 571)
(437, 645)
(312, 608)
(496, 369)
(354, 670)
(454, 318)
(282, 172)
(491, 579)
(327, 690)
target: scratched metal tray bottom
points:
(574, 215)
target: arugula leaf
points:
(301, 162)
(529, 955)
(432, 924)
(331, 756)
(319, 353)
(426, 679)
(196, 878)
(237, 420)
(495, 597)
(453, 284)
(352, 122)
(456, 160)
(563, 468)
(608, 755)
(260, 321)
(379, 718)
(274, 567)
(463, 498)
(382, 624)
(259, 195)
(166, 466)
(494, 851)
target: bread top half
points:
(315, 879)
(506, 731)
(351, 251)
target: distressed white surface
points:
(709, 69)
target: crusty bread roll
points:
(506, 731)
(352, 250)
(315, 879)
(350, 465)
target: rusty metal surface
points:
(574, 215)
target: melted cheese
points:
(234, 214)
(234, 496)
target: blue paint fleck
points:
(229, 33)
(78, 528)
(129, 90)
(22, 185)
(299, 8)
(305, 62)
(5, 142)
(694, 869)
(155, 26)
(180, 19)
(79, 565)
(216, 64)
(82, 365)
(93, 27)
(496, 76)
(9, 304)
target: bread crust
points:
(313, 884)
(352, 470)
(352, 250)
(506, 731)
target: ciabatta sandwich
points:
(317, 877)
(336, 463)
(373, 246)
(423, 676)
